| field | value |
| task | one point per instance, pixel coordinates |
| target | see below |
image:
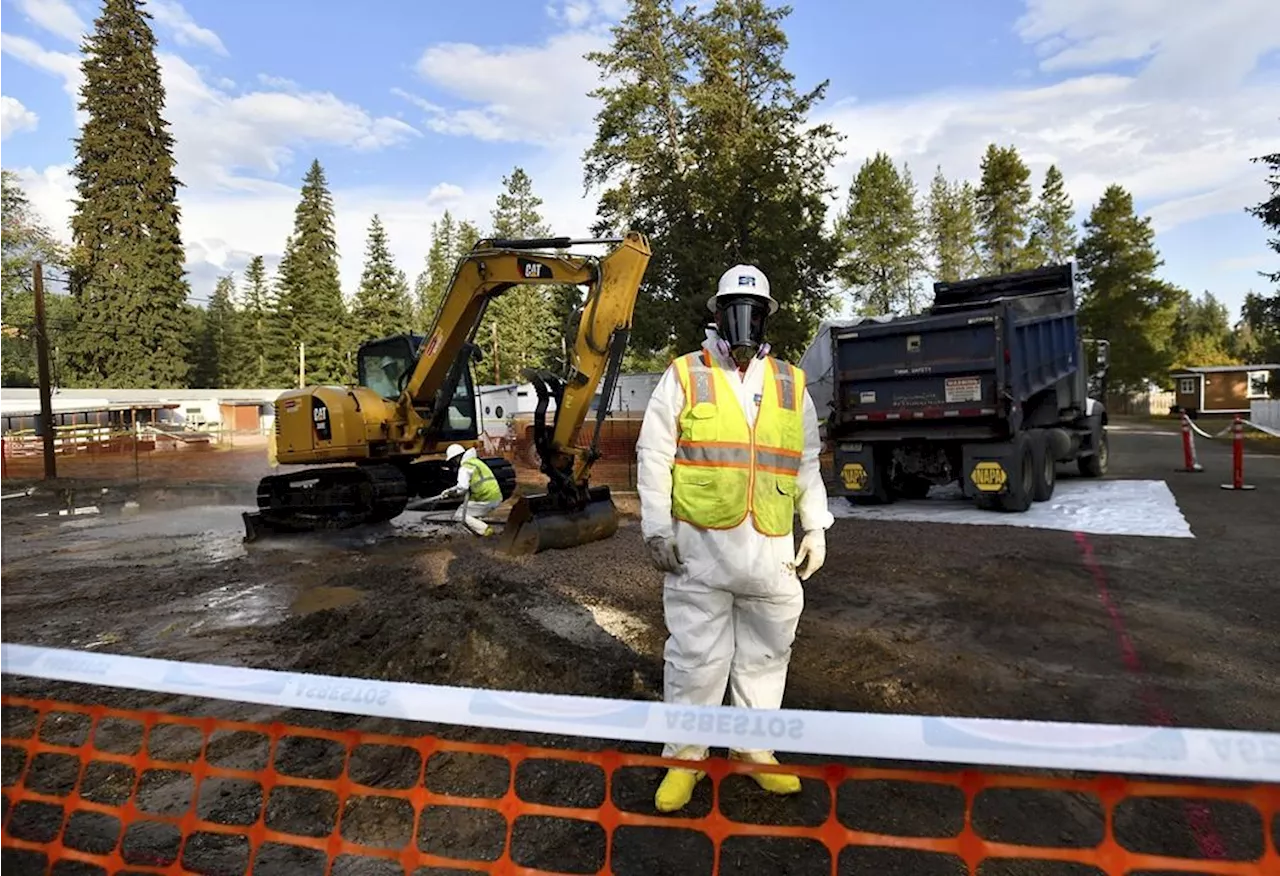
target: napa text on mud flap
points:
(344, 693)
(737, 725)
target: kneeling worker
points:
(478, 487)
(728, 454)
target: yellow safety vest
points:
(483, 485)
(725, 468)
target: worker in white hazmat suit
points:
(477, 485)
(727, 455)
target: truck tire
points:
(1018, 498)
(1046, 469)
(1095, 464)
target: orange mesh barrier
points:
(146, 792)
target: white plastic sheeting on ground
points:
(1120, 507)
(819, 370)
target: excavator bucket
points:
(539, 523)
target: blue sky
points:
(411, 115)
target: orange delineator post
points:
(1189, 462)
(1237, 457)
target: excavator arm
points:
(570, 511)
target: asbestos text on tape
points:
(1107, 748)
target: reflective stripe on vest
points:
(726, 469)
(484, 486)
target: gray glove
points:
(663, 554)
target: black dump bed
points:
(983, 343)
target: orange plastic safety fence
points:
(147, 792)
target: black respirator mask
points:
(740, 324)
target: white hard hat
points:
(743, 280)
(455, 450)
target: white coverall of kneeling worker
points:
(478, 487)
(727, 455)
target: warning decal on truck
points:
(964, 389)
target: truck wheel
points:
(1046, 469)
(1022, 481)
(1095, 464)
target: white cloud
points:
(56, 16)
(15, 118)
(64, 65)
(1259, 261)
(171, 16)
(445, 193)
(280, 83)
(530, 94)
(1202, 47)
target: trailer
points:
(992, 388)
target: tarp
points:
(818, 365)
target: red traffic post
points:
(1237, 457)
(1189, 461)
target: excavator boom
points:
(379, 442)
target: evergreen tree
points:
(1201, 332)
(704, 144)
(1269, 211)
(26, 239)
(128, 281)
(953, 229)
(220, 348)
(1122, 300)
(310, 292)
(428, 291)
(1053, 237)
(256, 331)
(382, 304)
(881, 230)
(1003, 202)
(518, 327)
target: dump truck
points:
(992, 388)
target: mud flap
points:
(860, 476)
(1000, 474)
(538, 523)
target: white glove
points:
(812, 553)
(663, 553)
(455, 490)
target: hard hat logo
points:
(746, 280)
(741, 304)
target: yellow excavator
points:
(375, 447)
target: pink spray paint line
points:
(1207, 838)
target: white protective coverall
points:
(470, 511)
(732, 613)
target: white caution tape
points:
(1267, 429)
(1203, 434)
(1108, 748)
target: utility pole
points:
(42, 366)
(302, 365)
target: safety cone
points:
(1189, 461)
(1237, 457)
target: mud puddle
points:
(324, 599)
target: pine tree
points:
(382, 303)
(953, 229)
(1201, 332)
(881, 229)
(704, 144)
(26, 239)
(255, 327)
(220, 347)
(1053, 236)
(429, 289)
(128, 278)
(1122, 300)
(1263, 312)
(1003, 202)
(310, 293)
(518, 328)
(1269, 210)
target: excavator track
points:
(328, 497)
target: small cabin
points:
(1222, 389)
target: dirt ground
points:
(916, 618)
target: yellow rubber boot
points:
(774, 783)
(676, 789)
